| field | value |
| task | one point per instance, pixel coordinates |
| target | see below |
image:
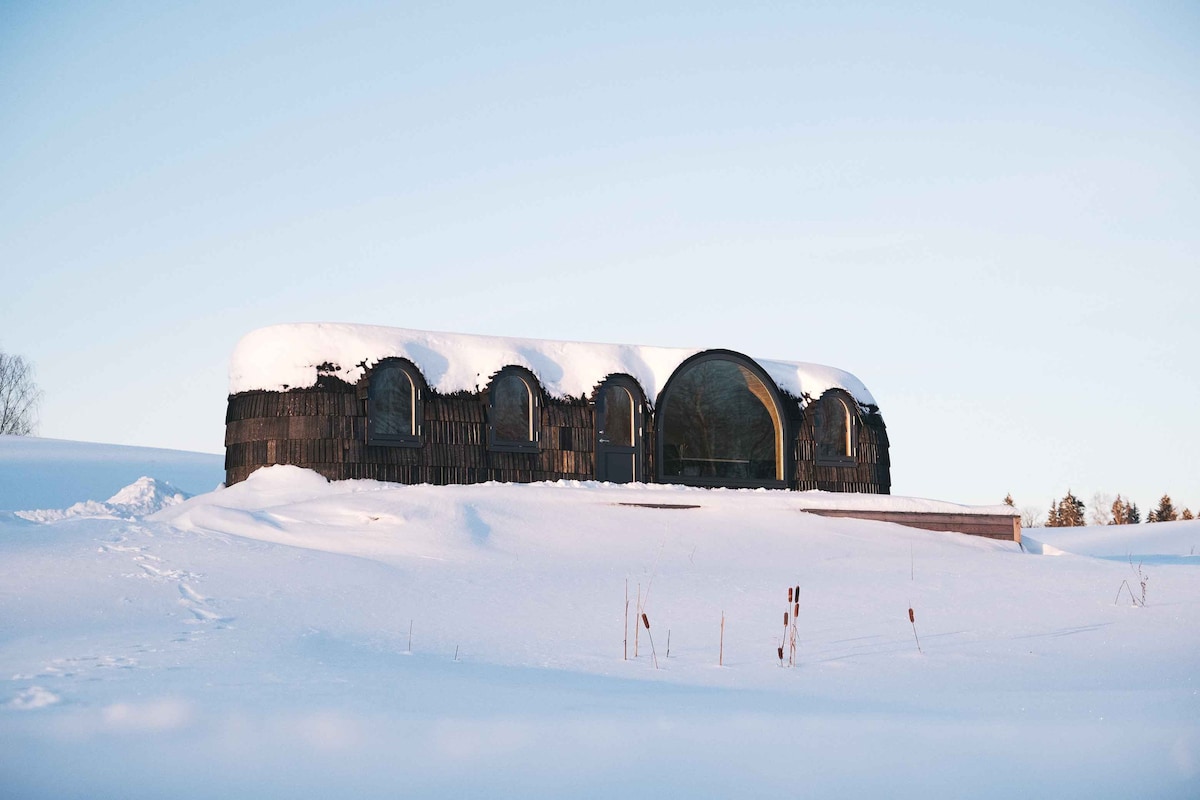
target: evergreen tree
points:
(1067, 513)
(1008, 501)
(1071, 512)
(1165, 511)
(1125, 513)
(1187, 514)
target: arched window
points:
(835, 429)
(512, 411)
(720, 424)
(394, 405)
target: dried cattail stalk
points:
(653, 653)
(785, 619)
(913, 619)
(789, 594)
(781, 654)
(796, 611)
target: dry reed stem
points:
(625, 629)
(1125, 585)
(410, 624)
(637, 609)
(721, 652)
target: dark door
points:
(618, 435)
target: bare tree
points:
(19, 396)
(1101, 511)
(1030, 517)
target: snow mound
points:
(141, 498)
(287, 357)
(32, 698)
(1161, 541)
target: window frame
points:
(533, 444)
(850, 407)
(417, 380)
(783, 459)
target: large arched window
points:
(720, 424)
(835, 429)
(512, 411)
(394, 404)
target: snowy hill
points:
(53, 473)
(290, 637)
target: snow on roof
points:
(286, 356)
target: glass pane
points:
(831, 428)
(720, 422)
(392, 403)
(618, 416)
(511, 406)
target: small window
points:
(394, 406)
(834, 430)
(618, 416)
(512, 421)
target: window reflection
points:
(392, 407)
(512, 404)
(832, 428)
(618, 416)
(720, 422)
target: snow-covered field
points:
(255, 642)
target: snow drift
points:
(319, 639)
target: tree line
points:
(1071, 512)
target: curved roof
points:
(286, 357)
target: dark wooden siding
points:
(324, 429)
(871, 473)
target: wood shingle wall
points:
(872, 472)
(324, 429)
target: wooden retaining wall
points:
(992, 526)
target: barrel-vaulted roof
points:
(287, 357)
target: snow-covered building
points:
(356, 401)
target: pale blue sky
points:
(990, 213)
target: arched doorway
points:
(620, 431)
